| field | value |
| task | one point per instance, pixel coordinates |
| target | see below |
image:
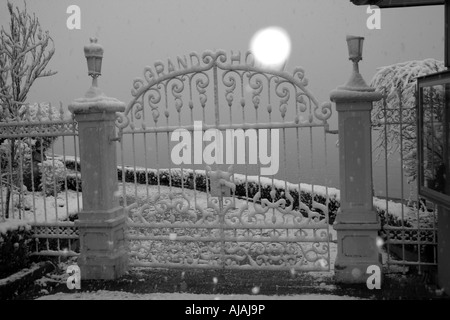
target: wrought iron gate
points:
(224, 215)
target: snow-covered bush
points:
(52, 176)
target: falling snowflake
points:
(379, 242)
(172, 236)
(439, 292)
(356, 273)
(322, 263)
(215, 280)
(255, 290)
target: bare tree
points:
(25, 51)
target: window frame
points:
(440, 78)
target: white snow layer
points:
(12, 224)
(120, 295)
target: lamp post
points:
(101, 222)
(357, 222)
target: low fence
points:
(35, 185)
(409, 222)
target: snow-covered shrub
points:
(15, 239)
(52, 176)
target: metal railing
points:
(36, 185)
(409, 222)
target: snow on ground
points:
(37, 208)
(12, 224)
(18, 274)
(405, 213)
(120, 295)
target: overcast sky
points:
(136, 33)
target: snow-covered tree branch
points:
(395, 115)
(25, 51)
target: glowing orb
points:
(323, 263)
(379, 242)
(356, 273)
(173, 236)
(255, 290)
(271, 47)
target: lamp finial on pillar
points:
(94, 56)
(356, 81)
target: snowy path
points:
(119, 295)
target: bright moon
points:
(271, 46)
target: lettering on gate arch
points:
(184, 67)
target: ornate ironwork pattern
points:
(172, 233)
(220, 216)
(55, 239)
(39, 129)
(61, 230)
(38, 121)
(193, 79)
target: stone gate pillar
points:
(102, 221)
(357, 222)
